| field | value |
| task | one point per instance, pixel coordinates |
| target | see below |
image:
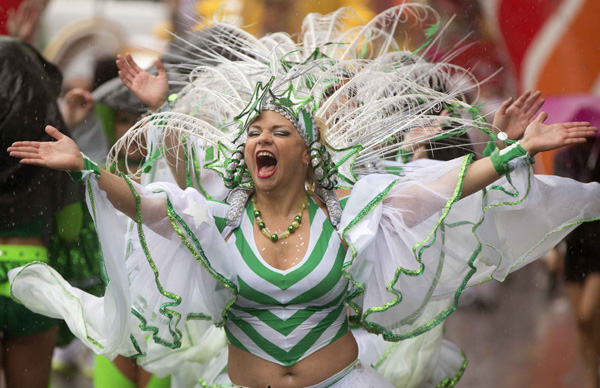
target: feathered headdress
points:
(368, 84)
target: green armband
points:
(500, 159)
(490, 148)
(89, 168)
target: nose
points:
(264, 138)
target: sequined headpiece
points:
(287, 104)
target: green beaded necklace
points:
(290, 229)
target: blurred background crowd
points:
(548, 45)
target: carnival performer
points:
(432, 361)
(277, 265)
(30, 198)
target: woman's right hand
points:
(62, 154)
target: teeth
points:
(265, 154)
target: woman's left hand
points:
(513, 117)
(540, 137)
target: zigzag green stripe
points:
(284, 281)
(360, 287)
(328, 282)
(285, 327)
(451, 382)
(399, 271)
(200, 257)
(173, 316)
(296, 353)
(256, 296)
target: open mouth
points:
(266, 164)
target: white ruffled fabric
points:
(413, 249)
(421, 362)
(435, 247)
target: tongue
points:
(265, 170)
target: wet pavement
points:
(519, 338)
(526, 340)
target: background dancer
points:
(582, 264)
(29, 199)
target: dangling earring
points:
(236, 172)
(237, 200)
(238, 179)
(331, 201)
(323, 166)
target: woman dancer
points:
(278, 158)
(272, 269)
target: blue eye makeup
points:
(253, 132)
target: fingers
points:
(505, 105)
(55, 133)
(575, 141)
(121, 63)
(521, 100)
(574, 124)
(541, 117)
(536, 108)
(578, 134)
(126, 72)
(78, 96)
(33, 162)
(132, 63)
(581, 132)
(531, 100)
(25, 155)
(126, 64)
(126, 81)
(28, 149)
(160, 67)
(17, 144)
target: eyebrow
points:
(273, 127)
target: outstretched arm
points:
(64, 155)
(151, 90)
(514, 116)
(538, 137)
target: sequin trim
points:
(202, 259)
(173, 316)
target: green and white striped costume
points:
(284, 316)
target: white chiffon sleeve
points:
(414, 246)
(168, 266)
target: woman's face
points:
(275, 152)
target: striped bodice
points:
(284, 316)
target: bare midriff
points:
(35, 241)
(248, 370)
